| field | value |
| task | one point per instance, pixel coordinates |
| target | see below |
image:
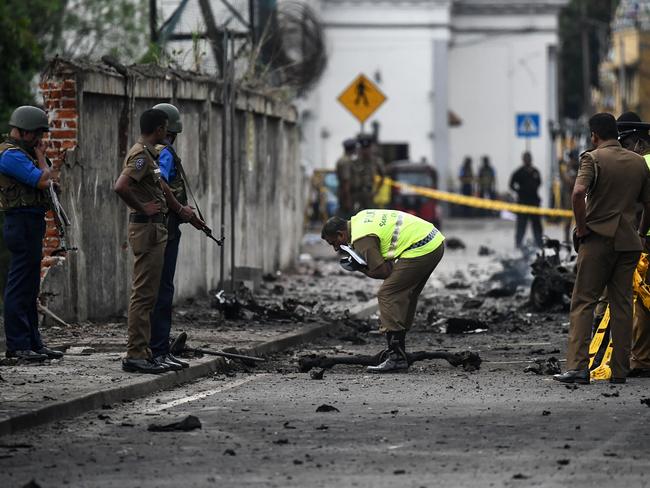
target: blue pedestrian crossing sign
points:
(527, 125)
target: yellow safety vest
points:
(397, 232)
(647, 161)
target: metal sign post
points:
(527, 126)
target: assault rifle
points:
(61, 220)
(200, 225)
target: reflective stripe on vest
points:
(397, 233)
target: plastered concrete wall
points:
(94, 282)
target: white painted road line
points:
(207, 393)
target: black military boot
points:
(397, 360)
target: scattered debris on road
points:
(317, 375)
(454, 243)
(485, 251)
(188, 423)
(554, 277)
(610, 395)
(470, 361)
(327, 408)
(463, 325)
(32, 484)
(548, 366)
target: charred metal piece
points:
(179, 346)
(470, 361)
(554, 276)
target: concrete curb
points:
(147, 385)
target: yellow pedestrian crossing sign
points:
(362, 97)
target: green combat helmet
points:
(29, 118)
(174, 116)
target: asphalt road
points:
(434, 426)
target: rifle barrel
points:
(225, 354)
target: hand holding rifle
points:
(200, 225)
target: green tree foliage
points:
(599, 14)
(21, 50)
(33, 30)
(21, 57)
(92, 28)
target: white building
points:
(484, 60)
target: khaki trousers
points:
(148, 243)
(600, 266)
(398, 295)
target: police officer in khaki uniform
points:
(363, 173)
(613, 180)
(401, 249)
(344, 173)
(24, 177)
(633, 135)
(140, 187)
(172, 174)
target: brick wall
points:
(60, 100)
(98, 117)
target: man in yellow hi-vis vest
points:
(399, 248)
(633, 135)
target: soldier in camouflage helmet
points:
(363, 174)
(24, 177)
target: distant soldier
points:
(24, 175)
(139, 186)
(525, 182)
(363, 175)
(568, 174)
(344, 173)
(466, 178)
(401, 249)
(486, 180)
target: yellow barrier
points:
(480, 202)
(600, 352)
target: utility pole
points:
(622, 81)
(153, 21)
(252, 19)
(213, 34)
(587, 109)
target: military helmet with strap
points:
(29, 118)
(173, 115)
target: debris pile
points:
(188, 423)
(554, 277)
(470, 361)
(549, 366)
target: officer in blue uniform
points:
(24, 178)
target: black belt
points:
(159, 218)
(424, 241)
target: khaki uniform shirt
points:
(616, 179)
(363, 172)
(343, 167)
(141, 167)
(368, 248)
